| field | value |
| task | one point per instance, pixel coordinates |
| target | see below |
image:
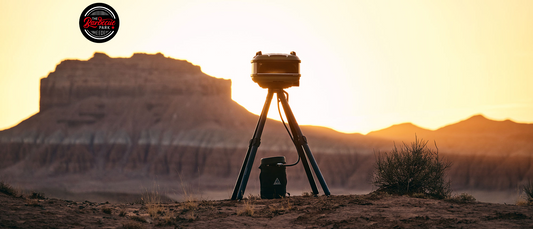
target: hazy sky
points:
(366, 65)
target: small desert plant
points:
(190, 206)
(247, 208)
(191, 203)
(412, 169)
(8, 189)
(462, 198)
(152, 201)
(154, 210)
(528, 190)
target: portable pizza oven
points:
(273, 177)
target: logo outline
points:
(99, 22)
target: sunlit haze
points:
(366, 65)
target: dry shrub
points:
(152, 201)
(528, 190)
(191, 205)
(154, 210)
(8, 189)
(412, 169)
(247, 208)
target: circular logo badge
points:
(99, 22)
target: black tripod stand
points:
(300, 142)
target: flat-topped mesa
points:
(137, 76)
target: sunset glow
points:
(366, 65)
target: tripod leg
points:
(315, 168)
(242, 180)
(302, 142)
(241, 173)
(298, 138)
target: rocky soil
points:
(346, 211)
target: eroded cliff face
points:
(139, 76)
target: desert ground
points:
(373, 210)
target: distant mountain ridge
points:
(399, 130)
(477, 125)
(475, 135)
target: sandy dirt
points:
(342, 211)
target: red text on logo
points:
(89, 22)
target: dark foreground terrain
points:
(350, 211)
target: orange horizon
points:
(365, 65)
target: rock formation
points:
(136, 77)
